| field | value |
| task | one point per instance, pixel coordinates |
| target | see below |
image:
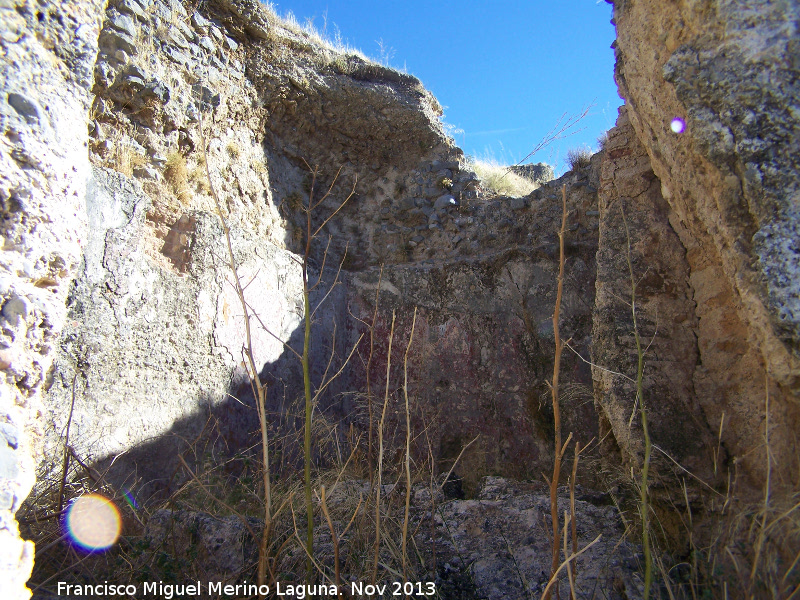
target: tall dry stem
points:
(370, 457)
(311, 235)
(559, 450)
(259, 389)
(380, 458)
(644, 489)
(408, 448)
(572, 502)
(763, 529)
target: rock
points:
(6, 500)
(216, 34)
(175, 37)
(224, 545)
(497, 545)
(729, 181)
(230, 44)
(445, 201)
(177, 56)
(112, 40)
(123, 24)
(133, 8)
(135, 88)
(26, 107)
(252, 15)
(104, 74)
(406, 204)
(516, 203)
(9, 467)
(200, 23)
(16, 310)
(186, 30)
(47, 57)
(10, 434)
(208, 97)
(147, 172)
(207, 44)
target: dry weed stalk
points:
(571, 573)
(564, 127)
(259, 390)
(763, 529)
(554, 577)
(559, 346)
(311, 234)
(334, 538)
(380, 458)
(644, 490)
(369, 364)
(408, 448)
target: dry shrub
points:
(579, 158)
(234, 150)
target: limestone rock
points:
(729, 70)
(634, 225)
(498, 545)
(46, 63)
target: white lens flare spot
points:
(678, 125)
(93, 522)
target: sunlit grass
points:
(498, 179)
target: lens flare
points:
(130, 499)
(678, 125)
(93, 522)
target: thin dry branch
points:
(559, 131)
(261, 397)
(380, 457)
(369, 364)
(554, 576)
(559, 449)
(408, 448)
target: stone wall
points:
(48, 50)
(635, 227)
(483, 349)
(154, 324)
(730, 180)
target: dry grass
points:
(579, 158)
(499, 180)
(177, 175)
(330, 49)
(602, 140)
(208, 483)
(126, 159)
(233, 150)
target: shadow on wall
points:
(216, 433)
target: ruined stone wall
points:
(153, 323)
(483, 348)
(730, 180)
(48, 50)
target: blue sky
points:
(504, 70)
